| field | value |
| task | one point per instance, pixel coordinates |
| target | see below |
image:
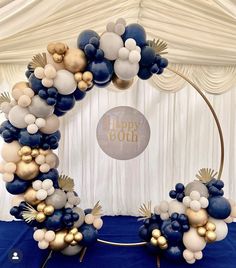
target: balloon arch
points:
(47, 200)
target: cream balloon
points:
(17, 115)
(52, 124)
(39, 107)
(72, 250)
(221, 228)
(111, 43)
(65, 82)
(125, 70)
(17, 199)
(10, 152)
(176, 207)
(193, 241)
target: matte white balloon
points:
(187, 201)
(130, 43)
(47, 184)
(221, 228)
(134, 56)
(49, 236)
(71, 250)
(111, 43)
(65, 82)
(37, 185)
(176, 207)
(125, 70)
(30, 119)
(204, 202)
(195, 205)
(195, 195)
(40, 108)
(17, 115)
(43, 244)
(123, 53)
(41, 194)
(38, 235)
(188, 255)
(193, 241)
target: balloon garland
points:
(47, 200)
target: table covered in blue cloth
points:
(17, 236)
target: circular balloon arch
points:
(47, 201)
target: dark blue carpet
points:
(18, 236)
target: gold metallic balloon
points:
(60, 48)
(69, 238)
(57, 58)
(74, 231)
(59, 242)
(40, 217)
(161, 240)
(48, 210)
(82, 85)
(154, 241)
(78, 76)
(73, 243)
(78, 237)
(210, 236)
(197, 219)
(156, 233)
(25, 150)
(165, 246)
(122, 84)
(210, 226)
(87, 76)
(75, 60)
(35, 153)
(41, 206)
(30, 196)
(201, 231)
(26, 158)
(21, 85)
(27, 171)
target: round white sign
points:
(123, 133)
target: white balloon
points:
(17, 115)
(134, 56)
(164, 206)
(41, 194)
(221, 228)
(32, 129)
(198, 255)
(121, 21)
(38, 235)
(164, 216)
(119, 29)
(111, 43)
(130, 43)
(195, 205)
(37, 185)
(123, 53)
(39, 72)
(43, 244)
(125, 70)
(47, 184)
(176, 207)
(65, 82)
(71, 250)
(188, 255)
(89, 218)
(98, 223)
(40, 122)
(110, 26)
(49, 236)
(195, 195)
(204, 202)
(187, 201)
(30, 119)
(51, 191)
(193, 241)
(40, 108)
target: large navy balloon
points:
(9, 132)
(89, 235)
(54, 222)
(148, 55)
(84, 38)
(32, 140)
(174, 253)
(219, 207)
(137, 32)
(78, 94)
(65, 102)
(17, 186)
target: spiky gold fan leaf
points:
(145, 211)
(206, 174)
(39, 60)
(97, 209)
(5, 97)
(66, 183)
(158, 45)
(29, 214)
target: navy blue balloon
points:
(144, 73)
(28, 74)
(102, 71)
(179, 187)
(9, 132)
(17, 186)
(58, 112)
(65, 102)
(89, 235)
(84, 38)
(32, 140)
(52, 174)
(219, 207)
(143, 233)
(79, 95)
(161, 70)
(54, 222)
(148, 55)
(35, 83)
(174, 253)
(99, 55)
(172, 194)
(154, 69)
(154, 250)
(87, 211)
(90, 51)
(163, 63)
(173, 236)
(137, 32)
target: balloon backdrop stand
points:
(47, 201)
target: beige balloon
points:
(57, 66)
(17, 199)
(59, 242)
(27, 171)
(10, 152)
(52, 125)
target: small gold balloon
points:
(82, 85)
(40, 217)
(197, 219)
(78, 77)
(25, 150)
(41, 206)
(26, 158)
(21, 85)
(122, 84)
(59, 242)
(30, 196)
(78, 237)
(73, 243)
(210, 226)
(87, 76)
(69, 238)
(57, 58)
(60, 48)
(154, 241)
(51, 48)
(35, 153)
(201, 231)
(48, 210)
(156, 233)
(161, 240)
(74, 231)
(75, 60)
(27, 171)
(210, 236)
(165, 246)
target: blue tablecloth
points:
(17, 236)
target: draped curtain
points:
(201, 38)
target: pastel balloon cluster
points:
(198, 215)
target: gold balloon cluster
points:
(197, 219)
(121, 84)
(57, 50)
(208, 232)
(27, 154)
(84, 80)
(43, 211)
(59, 242)
(158, 240)
(73, 237)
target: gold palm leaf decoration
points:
(39, 60)
(29, 213)
(5, 97)
(97, 209)
(158, 45)
(206, 174)
(145, 211)
(66, 183)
